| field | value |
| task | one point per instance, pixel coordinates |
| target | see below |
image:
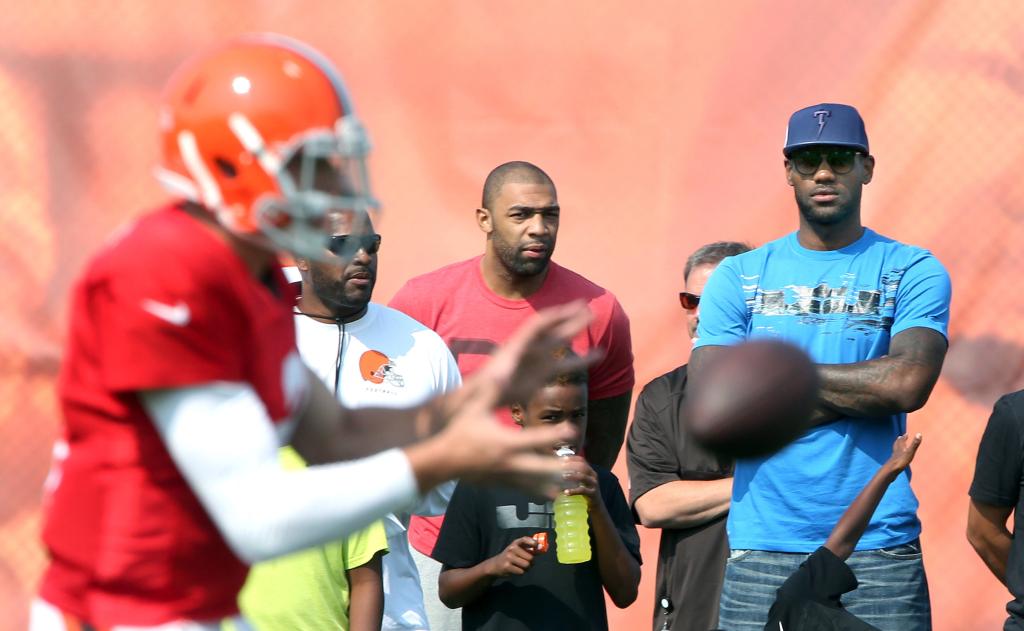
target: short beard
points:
(514, 262)
(812, 214)
(331, 293)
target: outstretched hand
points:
(526, 361)
(474, 445)
(903, 451)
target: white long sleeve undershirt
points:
(226, 447)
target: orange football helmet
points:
(249, 130)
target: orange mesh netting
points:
(661, 123)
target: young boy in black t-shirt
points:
(493, 566)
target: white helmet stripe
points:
(176, 184)
(211, 195)
(251, 139)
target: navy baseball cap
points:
(826, 124)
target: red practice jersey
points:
(167, 304)
(455, 302)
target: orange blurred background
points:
(661, 124)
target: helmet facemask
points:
(320, 173)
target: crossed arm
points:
(898, 382)
(662, 498)
(684, 503)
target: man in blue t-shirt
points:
(872, 312)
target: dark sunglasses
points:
(348, 244)
(807, 161)
(688, 301)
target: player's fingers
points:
(525, 361)
(533, 473)
(548, 325)
(476, 398)
(570, 320)
(562, 321)
(575, 363)
(543, 438)
(516, 458)
(538, 367)
(479, 394)
(548, 329)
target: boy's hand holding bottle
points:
(572, 529)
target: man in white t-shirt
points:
(372, 355)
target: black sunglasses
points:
(348, 244)
(688, 301)
(807, 161)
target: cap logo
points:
(822, 116)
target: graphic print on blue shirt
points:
(841, 306)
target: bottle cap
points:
(565, 450)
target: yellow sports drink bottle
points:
(572, 530)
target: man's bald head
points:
(518, 172)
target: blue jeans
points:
(893, 591)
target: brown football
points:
(751, 399)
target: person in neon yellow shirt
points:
(337, 586)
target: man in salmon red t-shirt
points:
(475, 305)
(181, 377)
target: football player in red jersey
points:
(181, 377)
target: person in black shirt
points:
(809, 600)
(493, 567)
(995, 493)
(676, 485)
